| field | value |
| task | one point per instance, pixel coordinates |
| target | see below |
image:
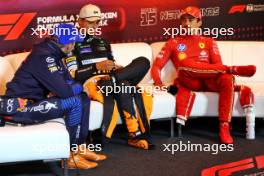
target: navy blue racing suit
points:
(39, 75)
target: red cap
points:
(193, 11)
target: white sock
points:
(250, 122)
(180, 120)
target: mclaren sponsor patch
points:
(85, 50)
(91, 61)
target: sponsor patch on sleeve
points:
(51, 64)
(70, 59)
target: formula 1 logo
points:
(13, 25)
(235, 167)
(237, 8)
(249, 8)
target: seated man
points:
(39, 75)
(92, 59)
(200, 68)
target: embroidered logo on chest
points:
(181, 47)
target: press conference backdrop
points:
(125, 20)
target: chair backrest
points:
(245, 53)
(6, 74)
(16, 59)
(124, 53)
(232, 52)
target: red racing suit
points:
(199, 65)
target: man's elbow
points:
(155, 73)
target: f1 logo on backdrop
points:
(249, 8)
(235, 167)
(13, 25)
(237, 8)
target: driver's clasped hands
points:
(107, 65)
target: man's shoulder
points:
(39, 57)
(39, 54)
(101, 40)
(43, 50)
(91, 41)
(206, 38)
(173, 40)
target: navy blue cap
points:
(67, 34)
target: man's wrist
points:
(158, 83)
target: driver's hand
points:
(107, 65)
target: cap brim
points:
(93, 19)
(187, 14)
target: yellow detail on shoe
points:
(76, 161)
(139, 143)
(89, 155)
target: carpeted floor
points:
(126, 161)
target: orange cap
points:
(193, 11)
